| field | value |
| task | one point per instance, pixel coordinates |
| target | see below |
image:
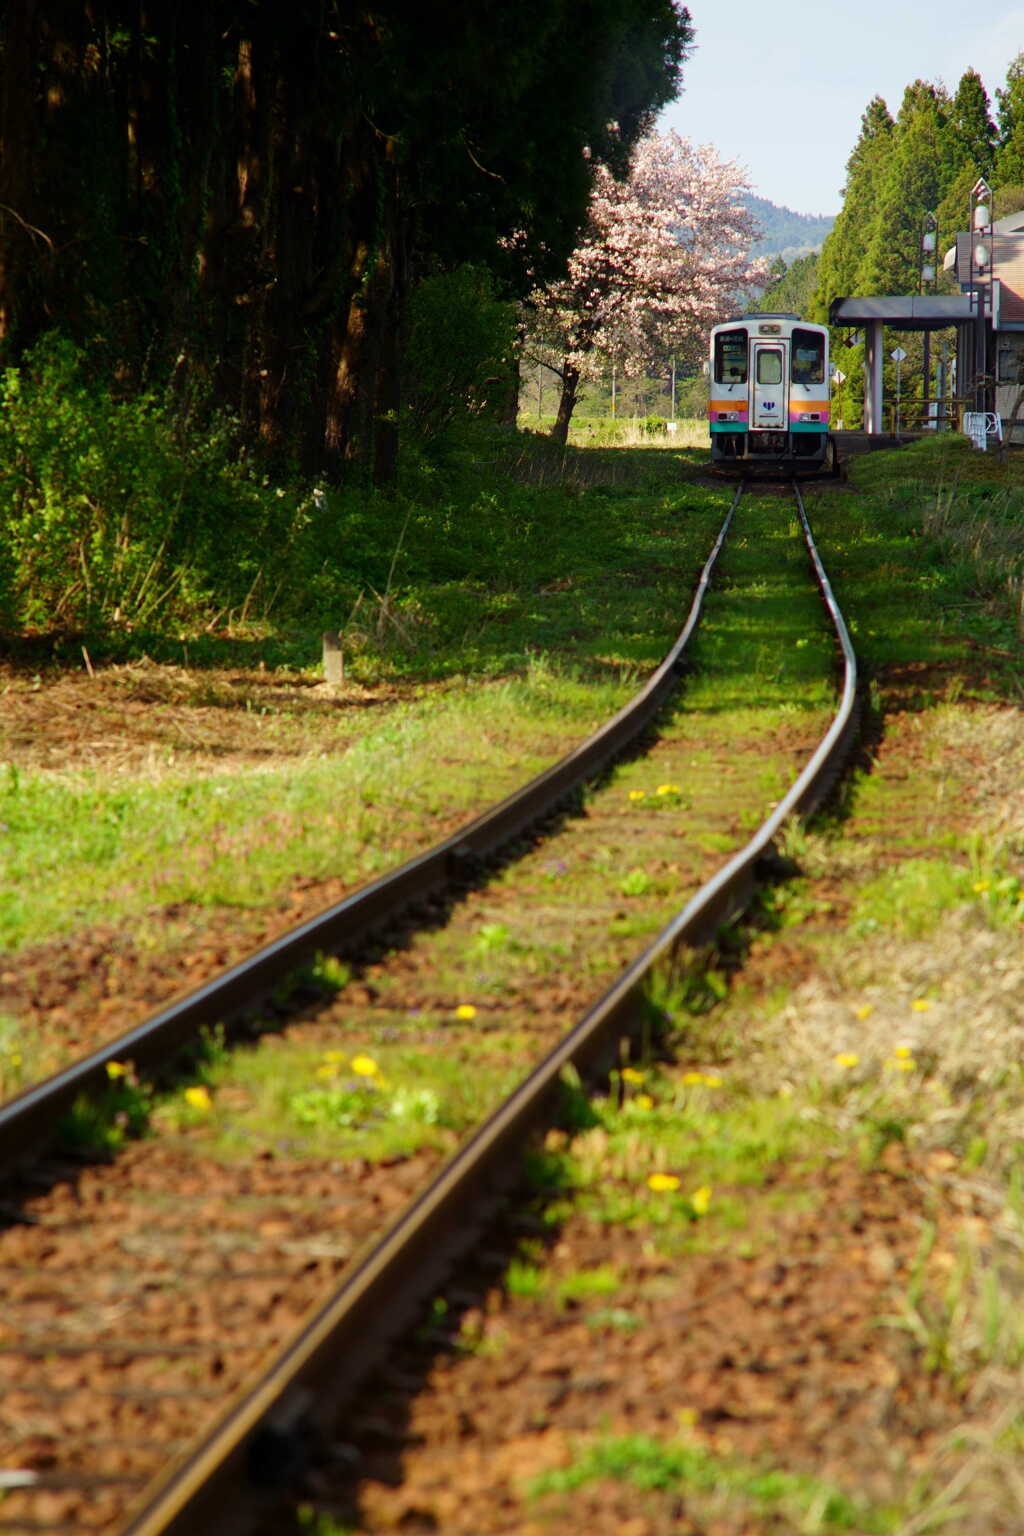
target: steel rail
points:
(217, 1486)
(30, 1118)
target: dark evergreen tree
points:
(1009, 163)
(240, 192)
(971, 133)
(911, 185)
(792, 288)
(843, 251)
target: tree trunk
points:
(346, 347)
(19, 151)
(508, 413)
(566, 404)
(389, 297)
(387, 378)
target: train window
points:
(731, 357)
(769, 365)
(808, 357)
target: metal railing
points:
(929, 415)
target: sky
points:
(780, 89)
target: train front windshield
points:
(808, 364)
(731, 357)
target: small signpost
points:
(838, 379)
(897, 355)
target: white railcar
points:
(769, 395)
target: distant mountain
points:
(787, 234)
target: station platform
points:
(850, 443)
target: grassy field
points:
(859, 1033)
(846, 1065)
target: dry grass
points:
(910, 1041)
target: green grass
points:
(79, 849)
(380, 1103)
(679, 1155)
(910, 898)
(929, 552)
(764, 643)
(639, 810)
(657, 1466)
(529, 1280)
(541, 605)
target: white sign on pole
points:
(839, 377)
(898, 355)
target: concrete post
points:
(874, 363)
(334, 661)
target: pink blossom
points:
(665, 256)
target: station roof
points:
(904, 312)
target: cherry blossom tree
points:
(664, 256)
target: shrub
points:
(115, 509)
(459, 349)
(653, 426)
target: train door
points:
(769, 387)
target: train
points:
(769, 396)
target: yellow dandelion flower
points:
(465, 1011)
(662, 1181)
(198, 1098)
(712, 1080)
(902, 1050)
(905, 1064)
(921, 1004)
(700, 1200)
(865, 1011)
(638, 794)
(631, 1075)
(980, 886)
(116, 1069)
(692, 1078)
(668, 789)
(846, 1059)
(364, 1066)
(644, 1101)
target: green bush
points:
(653, 426)
(459, 349)
(114, 510)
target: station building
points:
(985, 370)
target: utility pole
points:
(981, 274)
(928, 241)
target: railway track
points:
(103, 1383)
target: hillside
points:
(787, 234)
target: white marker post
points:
(897, 355)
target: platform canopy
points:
(905, 312)
(901, 312)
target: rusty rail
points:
(217, 1486)
(29, 1120)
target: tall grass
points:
(970, 504)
